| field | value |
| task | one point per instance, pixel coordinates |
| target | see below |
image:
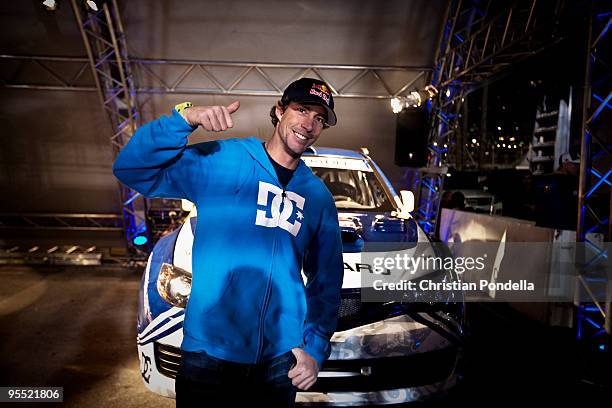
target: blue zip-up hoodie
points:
(248, 301)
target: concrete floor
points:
(73, 327)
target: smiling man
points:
(252, 329)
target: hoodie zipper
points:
(266, 302)
(264, 309)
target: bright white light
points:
(473, 140)
(435, 143)
(512, 139)
(397, 105)
(50, 5)
(448, 93)
(92, 5)
(499, 128)
(448, 174)
(503, 145)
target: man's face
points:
(300, 126)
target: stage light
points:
(140, 240)
(473, 140)
(397, 105)
(414, 99)
(50, 5)
(95, 5)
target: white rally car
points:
(382, 352)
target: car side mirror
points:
(405, 202)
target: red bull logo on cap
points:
(321, 91)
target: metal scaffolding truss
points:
(484, 40)
(45, 73)
(57, 221)
(53, 255)
(479, 41)
(215, 77)
(104, 41)
(594, 286)
(265, 79)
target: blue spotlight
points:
(140, 240)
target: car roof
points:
(333, 151)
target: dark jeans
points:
(205, 381)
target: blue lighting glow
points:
(140, 240)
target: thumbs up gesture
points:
(211, 118)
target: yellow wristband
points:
(182, 106)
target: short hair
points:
(282, 104)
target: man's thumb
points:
(233, 107)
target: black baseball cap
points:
(310, 90)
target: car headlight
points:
(174, 285)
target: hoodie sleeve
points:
(157, 162)
(324, 269)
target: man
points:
(252, 329)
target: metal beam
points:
(349, 80)
(593, 217)
(104, 41)
(61, 221)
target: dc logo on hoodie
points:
(290, 216)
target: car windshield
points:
(354, 189)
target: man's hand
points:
(212, 118)
(304, 373)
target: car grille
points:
(369, 375)
(167, 359)
(353, 312)
(387, 372)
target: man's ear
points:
(279, 111)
